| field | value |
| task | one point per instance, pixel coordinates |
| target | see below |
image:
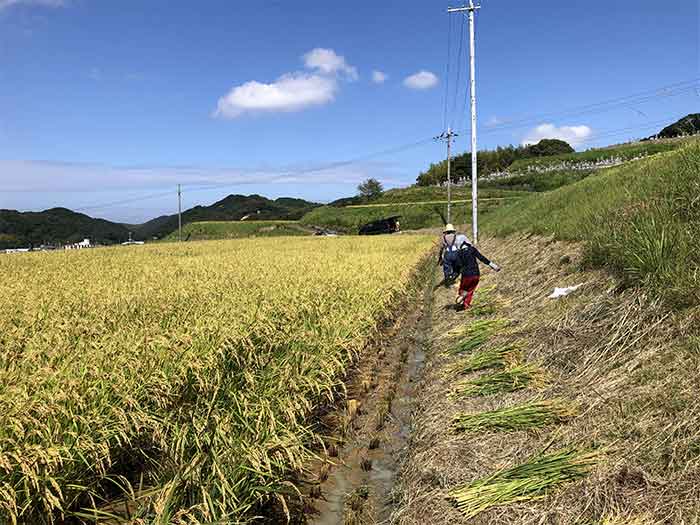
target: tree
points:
(546, 147)
(370, 188)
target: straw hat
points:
(449, 228)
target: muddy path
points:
(358, 485)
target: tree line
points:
(490, 161)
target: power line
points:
(124, 201)
(667, 91)
(447, 70)
(285, 174)
(459, 71)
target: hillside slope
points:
(209, 230)
(425, 206)
(56, 225)
(231, 208)
(605, 376)
(641, 220)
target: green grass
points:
(641, 220)
(526, 482)
(520, 417)
(509, 380)
(497, 357)
(210, 230)
(539, 182)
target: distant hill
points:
(688, 125)
(231, 208)
(56, 226)
(63, 226)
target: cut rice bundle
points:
(520, 417)
(509, 380)
(526, 482)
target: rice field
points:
(173, 383)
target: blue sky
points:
(105, 101)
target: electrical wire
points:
(460, 54)
(671, 90)
(447, 70)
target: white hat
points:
(449, 228)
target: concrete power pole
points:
(447, 137)
(471, 8)
(179, 213)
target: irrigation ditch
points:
(355, 483)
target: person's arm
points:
(484, 260)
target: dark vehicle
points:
(388, 225)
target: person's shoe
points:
(460, 298)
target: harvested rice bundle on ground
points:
(499, 357)
(509, 380)
(475, 334)
(526, 482)
(529, 415)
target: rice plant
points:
(525, 482)
(498, 357)
(475, 334)
(508, 380)
(520, 417)
(187, 370)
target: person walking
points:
(448, 257)
(469, 257)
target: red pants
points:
(467, 286)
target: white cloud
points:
(574, 135)
(421, 80)
(4, 4)
(379, 77)
(329, 62)
(290, 92)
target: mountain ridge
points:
(60, 225)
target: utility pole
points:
(447, 137)
(471, 8)
(179, 213)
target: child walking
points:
(468, 261)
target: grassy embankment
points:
(173, 383)
(210, 230)
(640, 219)
(617, 362)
